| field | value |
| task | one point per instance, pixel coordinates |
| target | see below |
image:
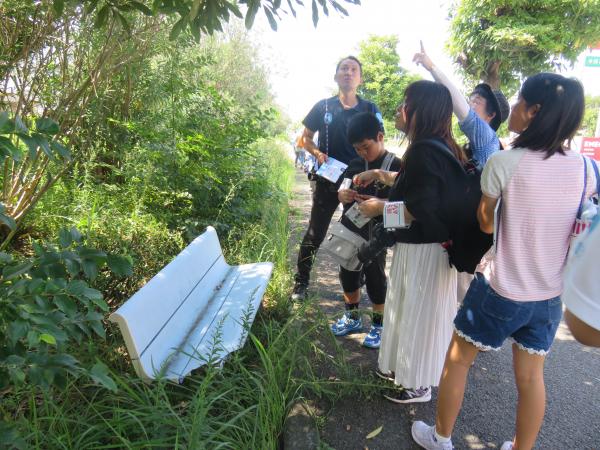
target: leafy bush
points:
(46, 306)
(33, 161)
(112, 219)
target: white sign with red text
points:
(590, 146)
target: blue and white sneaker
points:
(373, 339)
(346, 325)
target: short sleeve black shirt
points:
(427, 185)
(378, 190)
(329, 118)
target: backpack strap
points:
(387, 162)
(580, 208)
(326, 118)
(597, 173)
(444, 148)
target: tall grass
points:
(239, 405)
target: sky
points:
(302, 59)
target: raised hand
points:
(422, 58)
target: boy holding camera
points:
(366, 136)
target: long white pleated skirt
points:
(420, 307)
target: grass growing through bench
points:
(242, 405)
(239, 406)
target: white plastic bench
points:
(169, 324)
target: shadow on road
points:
(487, 418)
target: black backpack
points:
(468, 242)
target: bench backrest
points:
(149, 310)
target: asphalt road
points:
(572, 374)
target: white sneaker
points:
(508, 445)
(424, 435)
(404, 396)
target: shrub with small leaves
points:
(46, 306)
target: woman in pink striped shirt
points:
(540, 184)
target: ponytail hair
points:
(561, 106)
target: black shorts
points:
(374, 276)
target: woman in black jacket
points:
(421, 299)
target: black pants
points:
(324, 204)
(375, 279)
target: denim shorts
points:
(486, 319)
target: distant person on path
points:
(364, 132)
(479, 119)
(298, 152)
(329, 117)
(421, 298)
(539, 184)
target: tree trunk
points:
(491, 75)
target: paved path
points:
(572, 420)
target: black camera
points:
(381, 240)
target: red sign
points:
(590, 146)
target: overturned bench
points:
(170, 325)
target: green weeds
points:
(239, 404)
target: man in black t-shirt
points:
(364, 132)
(329, 117)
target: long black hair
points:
(561, 105)
(428, 107)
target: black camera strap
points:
(385, 166)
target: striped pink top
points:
(540, 198)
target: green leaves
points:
(19, 126)
(315, 13)
(120, 265)
(501, 43)
(6, 219)
(58, 6)
(47, 338)
(65, 238)
(30, 152)
(66, 304)
(10, 272)
(102, 16)
(384, 78)
(271, 19)
(141, 7)
(6, 125)
(46, 305)
(100, 374)
(8, 149)
(47, 126)
(43, 139)
(202, 16)
(177, 28)
(253, 6)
